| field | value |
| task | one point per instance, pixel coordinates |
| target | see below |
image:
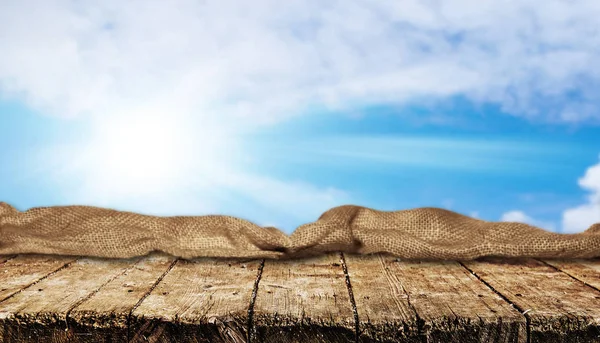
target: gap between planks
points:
(66, 265)
(160, 278)
(251, 330)
(351, 296)
(488, 285)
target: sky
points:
(276, 111)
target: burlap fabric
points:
(423, 233)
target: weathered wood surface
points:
(40, 310)
(105, 316)
(405, 301)
(330, 298)
(202, 300)
(559, 307)
(303, 301)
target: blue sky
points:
(491, 111)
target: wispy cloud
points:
(451, 153)
(521, 217)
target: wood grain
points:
(104, 317)
(39, 311)
(20, 271)
(585, 270)
(558, 308)
(23, 270)
(450, 303)
(304, 300)
(200, 300)
(384, 311)
(159, 298)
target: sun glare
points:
(144, 150)
(140, 153)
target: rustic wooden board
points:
(558, 307)
(588, 270)
(104, 317)
(199, 300)
(452, 305)
(18, 272)
(23, 270)
(159, 298)
(303, 300)
(39, 312)
(384, 312)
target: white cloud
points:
(579, 218)
(264, 60)
(515, 216)
(520, 217)
(576, 219)
(240, 64)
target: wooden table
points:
(331, 298)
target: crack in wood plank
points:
(41, 312)
(351, 296)
(193, 304)
(312, 306)
(381, 317)
(451, 304)
(37, 280)
(160, 278)
(5, 258)
(91, 294)
(559, 308)
(524, 312)
(251, 328)
(566, 270)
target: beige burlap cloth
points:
(422, 233)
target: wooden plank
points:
(20, 271)
(558, 307)
(586, 270)
(299, 300)
(384, 312)
(24, 270)
(39, 312)
(199, 300)
(303, 300)
(104, 317)
(451, 304)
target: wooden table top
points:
(331, 298)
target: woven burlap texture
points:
(422, 233)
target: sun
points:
(148, 154)
(143, 152)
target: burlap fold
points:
(422, 233)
